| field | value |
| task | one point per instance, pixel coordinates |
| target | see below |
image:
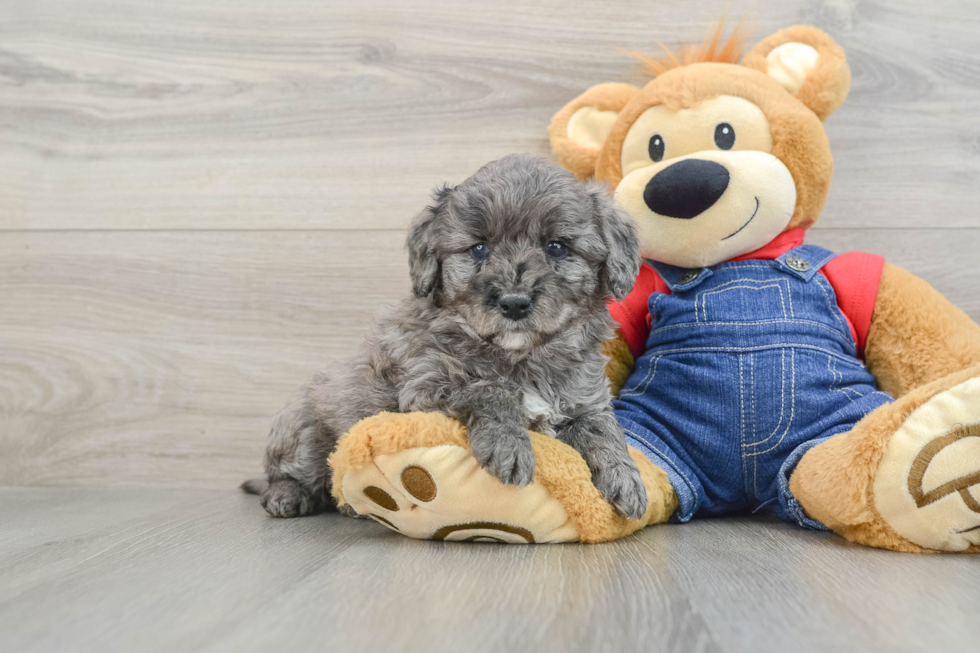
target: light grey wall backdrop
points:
(202, 202)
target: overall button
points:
(798, 264)
(690, 276)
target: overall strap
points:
(680, 278)
(805, 261)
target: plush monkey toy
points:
(754, 371)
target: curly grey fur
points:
(450, 349)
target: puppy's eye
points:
(724, 136)
(557, 250)
(480, 251)
(656, 148)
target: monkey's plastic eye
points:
(656, 148)
(557, 250)
(724, 136)
(480, 251)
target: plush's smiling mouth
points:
(746, 222)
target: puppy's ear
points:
(423, 265)
(619, 235)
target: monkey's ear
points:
(808, 64)
(579, 130)
(423, 264)
(621, 241)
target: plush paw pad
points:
(442, 493)
(928, 483)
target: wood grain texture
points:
(231, 114)
(202, 203)
(191, 570)
(157, 359)
(135, 358)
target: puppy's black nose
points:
(686, 189)
(515, 307)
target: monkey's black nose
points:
(686, 189)
(515, 306)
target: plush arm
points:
(916, 334)
(621, 362)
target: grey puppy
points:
(510, 272)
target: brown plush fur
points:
(916, 335)
(918, 345)
(834, 480)
(827, 85)
(559, 469)
(620, 364)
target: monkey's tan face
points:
(702, 183)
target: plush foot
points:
(907, 477)
(415, 474)
(928, 483)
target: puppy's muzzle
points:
(686, 189)
(515, 306)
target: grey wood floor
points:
(203, 201)
(203, 570)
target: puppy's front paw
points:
(287, 498)
(504, 450)
(622, 486)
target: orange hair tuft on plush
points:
(711, 49)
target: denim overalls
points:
(748, 365)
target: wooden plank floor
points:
(203, 201)
(198, 570)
